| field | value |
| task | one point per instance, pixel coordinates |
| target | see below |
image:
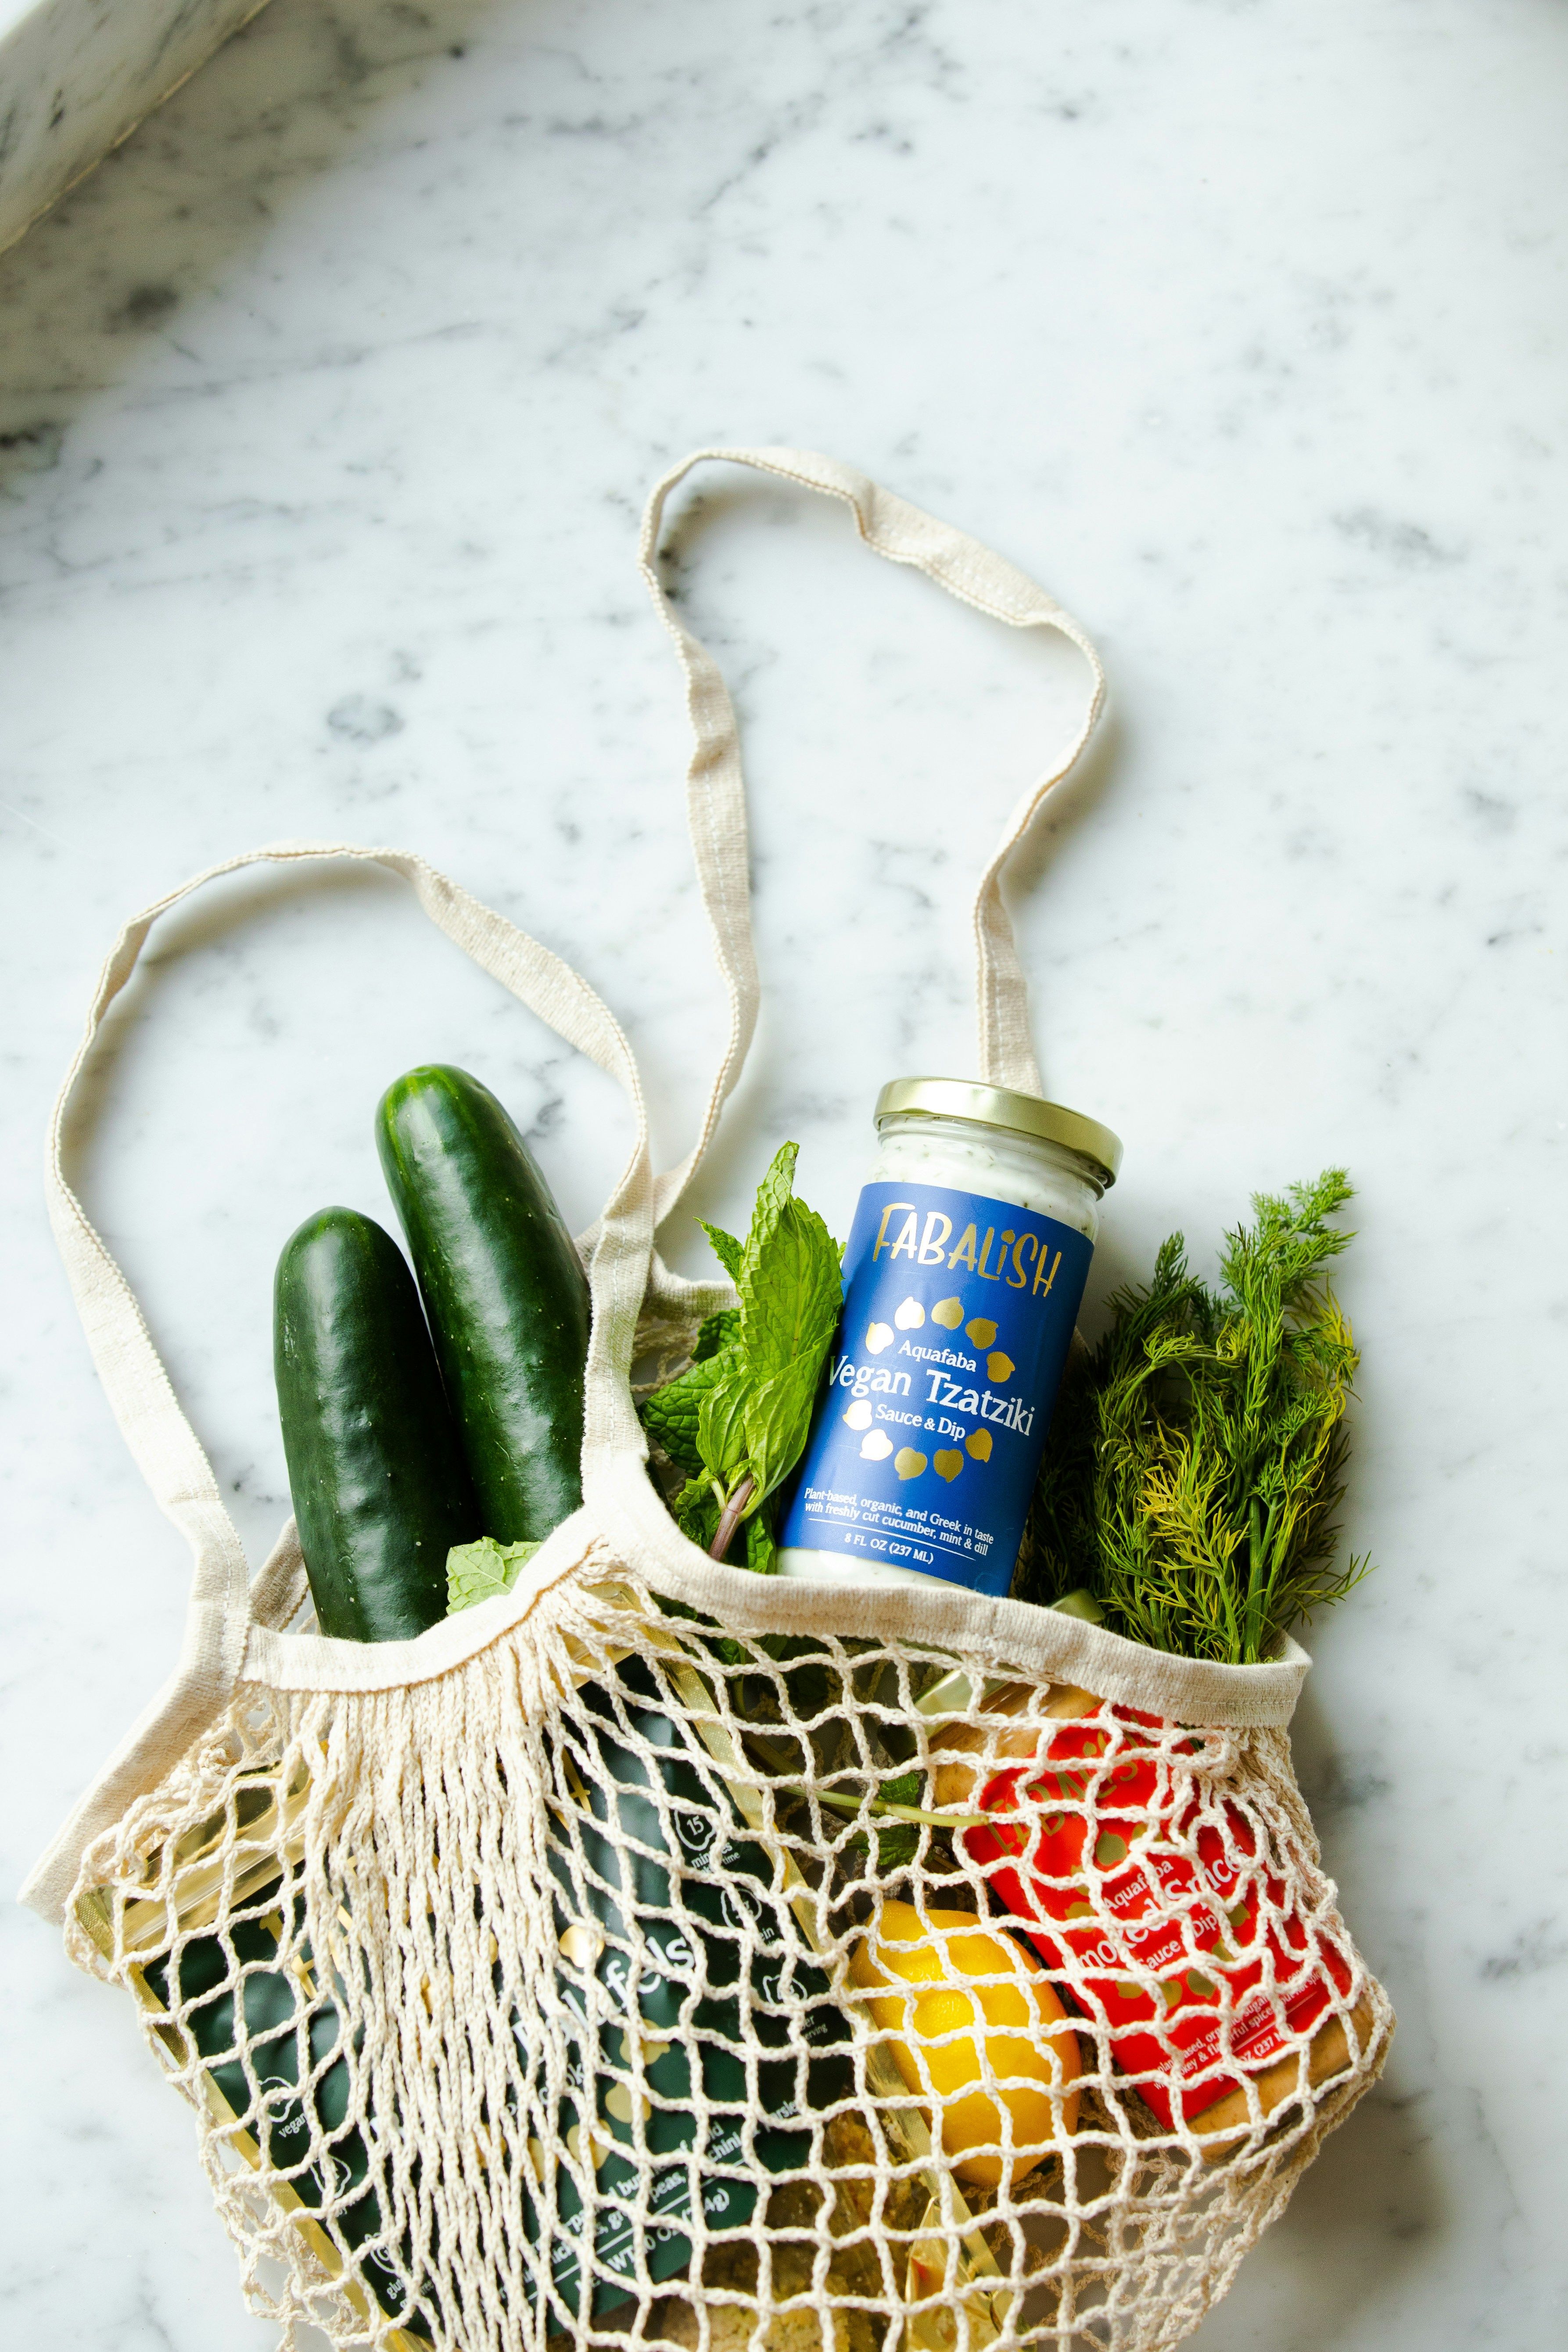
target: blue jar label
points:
(958, 1313)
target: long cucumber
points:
(504, 1289)
(380, 1488)
(398, 1449)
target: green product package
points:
(289, 2035)
(699, 2004)
(614, 1864)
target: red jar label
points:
(1149, 1895)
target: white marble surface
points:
(75, 75)
(326, 408)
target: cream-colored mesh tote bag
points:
(514, 1974)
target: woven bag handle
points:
(716, 801)
(141, 1396)
(164, 1446)
(140, 1393)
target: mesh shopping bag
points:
(554, 1978)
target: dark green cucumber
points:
(504, 1290)
(381, 1492)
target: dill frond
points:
(1196, 1455)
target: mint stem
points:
(901, 1812)
(729, 1517)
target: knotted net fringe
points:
(517, 2008)
(517, 2003)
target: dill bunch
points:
(1196, 1453)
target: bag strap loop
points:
(140, 1394)
(716, 801)
(620, 1246)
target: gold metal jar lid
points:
(1000, 1106)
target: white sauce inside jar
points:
(914, 1148)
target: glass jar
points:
(966, 1265)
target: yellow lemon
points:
(944, 1956)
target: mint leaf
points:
(671, 1414)
(897, 1843)
(791, 1292)
(776, 1417)
(717, 1332)
(478, 1571)
(773, 1194)
(722, 1419)
(726, 1248)
(737, 1420)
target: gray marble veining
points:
(75, 75)
(327, 407)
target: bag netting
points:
(518, 2004)
(660, 1953)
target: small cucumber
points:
(504, 1290)
(380, 1488)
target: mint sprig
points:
(736, 1421)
